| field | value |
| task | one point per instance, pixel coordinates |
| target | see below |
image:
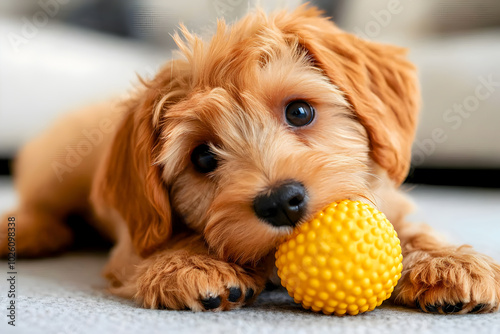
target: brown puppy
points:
(211, 163)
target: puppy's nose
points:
(284, 205)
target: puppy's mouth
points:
(284, 205)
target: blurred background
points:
(57, 55)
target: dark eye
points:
(299, 113)
(203, 159)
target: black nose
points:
(284, 205)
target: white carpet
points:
(66, 294)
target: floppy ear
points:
(130, 181)
(378, 81)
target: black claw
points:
(431, 308)
(234, 294)
(478, 308)
(249, 294)
(418, 305)
(448, 308)
(211, 303)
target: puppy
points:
(210, 164)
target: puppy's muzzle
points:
(283, 205)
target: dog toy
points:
(347, 259)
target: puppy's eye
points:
(203, 159)
(299, 113)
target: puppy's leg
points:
(438, 277)
(37, 233)
(52, 177)
(188, 276)
(39, 218)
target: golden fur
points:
(183, 237)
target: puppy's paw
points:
(198, 283)
(450, 281)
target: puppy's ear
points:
(130, 180)
(378, 81)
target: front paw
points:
(196, 282)
(451, 280)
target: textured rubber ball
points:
(347, 259)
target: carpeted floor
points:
(67, 294)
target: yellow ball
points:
(347, 259)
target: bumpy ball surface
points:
(347, 259)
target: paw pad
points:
(478, 308)
(234, 294)
(211, 303)
(249, 294)
(447, 308)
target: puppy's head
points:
(246, 136)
